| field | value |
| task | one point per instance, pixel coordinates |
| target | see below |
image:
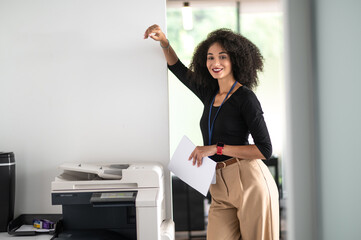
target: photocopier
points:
(111, 201)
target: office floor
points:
(201, 235)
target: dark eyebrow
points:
(218, 53)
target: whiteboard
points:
(78, 83)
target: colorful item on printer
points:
(43, 224)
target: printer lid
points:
(80, 176)
(112, 171)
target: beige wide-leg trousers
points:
(244, 203)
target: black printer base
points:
(91, 235)
(96, 215)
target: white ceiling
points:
(245, 5)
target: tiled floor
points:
(195, 235)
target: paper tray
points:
(27, 219)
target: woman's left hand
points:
(200, 152)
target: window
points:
(262, 24)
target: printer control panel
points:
(121, 198)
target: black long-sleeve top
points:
(239, 116)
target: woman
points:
(222, 73)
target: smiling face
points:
(218, 62)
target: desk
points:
(5, 235)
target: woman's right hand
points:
(157, 34)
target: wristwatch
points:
(220, 147)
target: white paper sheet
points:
(199, 178)
(30, 228)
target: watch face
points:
(220, 148)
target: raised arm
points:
(156, 33)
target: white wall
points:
(324, 116)
(337, 41)
(79, 84)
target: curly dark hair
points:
(245, 57)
